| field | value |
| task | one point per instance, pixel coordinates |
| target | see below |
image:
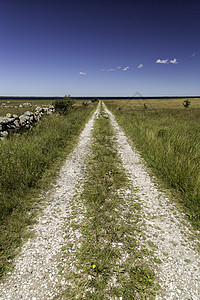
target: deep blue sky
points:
(99, 48)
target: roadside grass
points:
(28, 165)
(108, 262)
(169, 140)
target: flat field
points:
(168, 136)
(12, 106)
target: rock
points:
(3, 123)
(27, 104)
(28, 113)
(13, 123)
(16, 123)
(23, 119)
(3, 134)
(28, 126)
(9, 116)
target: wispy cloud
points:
(193, 54)
(82, 73)
(140, 66)
(173, 61)
(115, 69)
(108, 70)
(126, 68)
(162, 61)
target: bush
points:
(94, 100)
(63, 106)
(186, 103)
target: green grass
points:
(28, 164)
(15, 109)
(168, 137)
(108, 230)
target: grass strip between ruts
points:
(108, 260)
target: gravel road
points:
(37, 274)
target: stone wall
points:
(14, 123)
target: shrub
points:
(186, 103)
(94, 100)
(63, 106)
(145, 106)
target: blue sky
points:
(99, 48)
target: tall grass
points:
(169, 140)
(28, 163)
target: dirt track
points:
(36, 274)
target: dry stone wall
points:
(14, 123)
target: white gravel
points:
(179, 271)
(37, 274)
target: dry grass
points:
(155, 104)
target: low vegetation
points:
(28, 163)
(64, 106)
(168, 137)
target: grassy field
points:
(154, 104)
(28, 164)
(15, 109)
(168, 137)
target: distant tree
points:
(186, 103)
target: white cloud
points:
(162, 61)
(173, 61)
(111, 70)
(193, 54)
(82, 73)
(119, 68)
(140, 66)
(126, 68)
